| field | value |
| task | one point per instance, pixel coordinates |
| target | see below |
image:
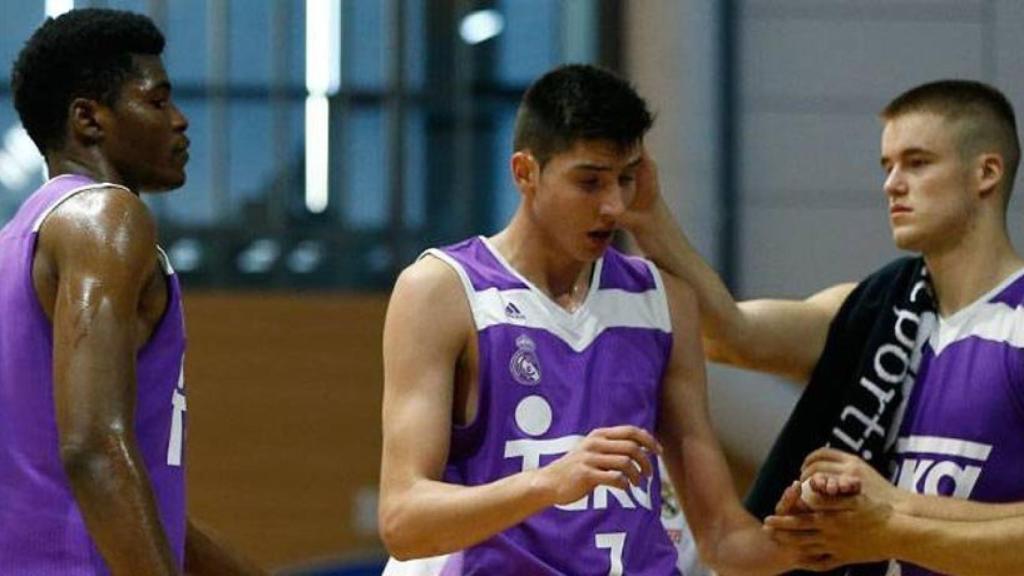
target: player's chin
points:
(907, 240)
(172, 180)
(591, 253)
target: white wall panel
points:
(814, 62)
(811, 160)
(795, 251)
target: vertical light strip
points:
(317, 157)
(323, 67)
(55, 8)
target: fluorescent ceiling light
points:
(481, 26)
(55, 8)
(323, 78)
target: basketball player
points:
(92, 399)
(917, 373)
(532, 377)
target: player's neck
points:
(84, 164)
(963, 273)
(563, 278)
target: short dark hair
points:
(84, 53)
(987, 115)
(579, 102)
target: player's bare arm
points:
(428, 333)
(206, 554)
(784, 337)
(949, 535)
(957, 547)
(730, 540)
(95, 261)
(832, 463)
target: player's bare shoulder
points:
(105, 234)
(109, 218)
(429, 295)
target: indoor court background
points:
(332, 140)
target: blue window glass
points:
(365, 191)
(17, 22)
(415, 172)
(252, 165)
(363, 44)
(415, 44)
(295, 27)
(187, 53)
(531, 41)
(250, 42)
(139, 6)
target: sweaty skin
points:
(97, 278)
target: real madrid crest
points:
(524, 366)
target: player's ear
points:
(86, 120)
(989, 173)
(525, 171)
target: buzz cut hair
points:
(986, 118)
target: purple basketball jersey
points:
(41, 528)
(962, 434)
(548, 377)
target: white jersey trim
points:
(67, 195)
(542, 297)
(165, 261)
(432, 566)
(993, 321)
(467, 284)
(939, 445)
(604, 309)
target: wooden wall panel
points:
(283, 412)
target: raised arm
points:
(784, 337)
(730, 540)
(427, 333)
(101, 247)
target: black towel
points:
(857, 385)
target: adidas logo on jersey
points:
(513, 313)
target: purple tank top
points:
(548, 377)
(41, 528)
(962, 434)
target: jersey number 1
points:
(178, 405)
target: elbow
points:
(395, 533)
(723, 350)
(85, 458)
(715, 351)
(728, 340)
(391, 535)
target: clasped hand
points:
(836, 513)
